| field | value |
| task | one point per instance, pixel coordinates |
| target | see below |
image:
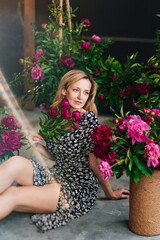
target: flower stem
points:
(121, 145)
(118, 161)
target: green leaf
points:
(142, 167)
(121, 111)
(130, 164)
(137, 175)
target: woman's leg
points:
(16, 169)
(32, 199)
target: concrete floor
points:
(107, 220)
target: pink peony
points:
(143, 88)
(53, 112)
(65, 113)
(76, 115)
(102, 135)
(86, 45)
(11, 140)
(138, 130)
(11, 122)
(101, 96)
(37, 56)
(2, 148)
(67, 61)
(96, 38)
(86, 22)
(65, 103)
(43, 107)
(127, 120)
(114, 77)
(36, 73)
(105, 170)
(152, 153)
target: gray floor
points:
(107, 220)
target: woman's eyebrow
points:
(83, 90)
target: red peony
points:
(121, 94)
(100, 152)
(102, 135)
(129, 91)
(76, 115)
(86, 45)
(65, 113)
(11, 122)
(53, 112)
(101, 96)
(67, 61)
(143, 88)
(65, 103)
(11, 140)
(86, 22)
(37, 56)
(2, 148)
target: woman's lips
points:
(77, 102)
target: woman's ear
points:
(64, 92)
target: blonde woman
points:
(69, 189)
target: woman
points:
(69, 189)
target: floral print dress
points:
(72, 170)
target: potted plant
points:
(133, 146)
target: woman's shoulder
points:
(89, 118)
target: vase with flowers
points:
(133, 146)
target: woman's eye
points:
(76, 90)
(87, 93)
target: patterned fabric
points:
(72, 170)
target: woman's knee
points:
(10, 197)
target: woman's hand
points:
(120, 193)
(35, 138)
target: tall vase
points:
(144, 212)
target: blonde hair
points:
(70, 78)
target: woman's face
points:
(78, 93)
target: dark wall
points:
(121, 20)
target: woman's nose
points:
(80, 95)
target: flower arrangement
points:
(58, 120)
(59, 49)
(133, 145)
(11, 136)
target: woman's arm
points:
(117, 194)
(36, 140)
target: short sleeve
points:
(89, 122)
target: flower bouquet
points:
(11, 136)
(133, 145)
(58, 120)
